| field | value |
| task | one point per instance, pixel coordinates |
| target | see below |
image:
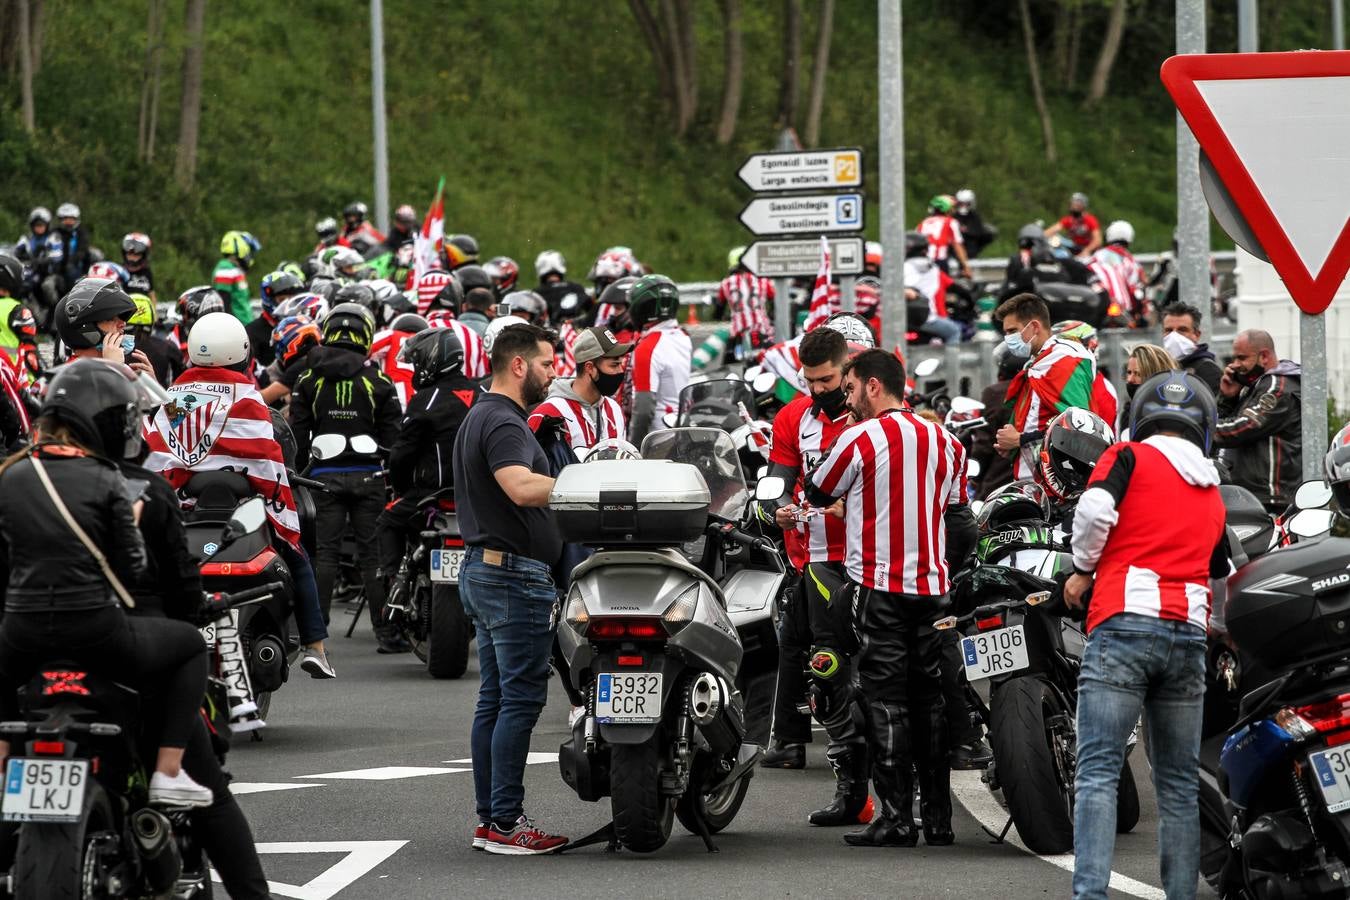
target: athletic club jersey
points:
(384, 352)
(475, 357)
(783, 361)
(661, 365)
(747, 296)
(897, 473)
(585, 427)
(942, 232)
(1120, 275)
(800, 438)
(564, 364)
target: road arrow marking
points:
(239, 788)
(361, 857)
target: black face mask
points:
(829, 402)
(608, 384)
(1131, 390)
(1250, 376)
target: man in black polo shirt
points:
(501, 493)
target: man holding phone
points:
(91, 321)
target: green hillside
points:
(546, 118)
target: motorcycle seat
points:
(218, 490)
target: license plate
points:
(628, 698)
(445, 564)
(44, 790)
(994, 652)
(1332, 768)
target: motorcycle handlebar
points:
(302, 481)
(221, 602)
(732, 533)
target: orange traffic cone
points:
(692, 318)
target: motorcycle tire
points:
(448, 640)
(642, 815)
(716, 809)
(50, 859)
(1038, 803)
(1127, 800)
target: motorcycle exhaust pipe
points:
(710, 709)
(268, 664)
(705, 699)
(160, 863)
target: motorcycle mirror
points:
(247, 518)
(669, 419)
(327, 446)
(1311, 523)
(945, 624)
(975, 507)
(964, 406)
(363, 443)
(752, 373)
(973, 468)
(770, 487)
(761, 473)
(764, 382)
(1038, 598)
(1312, 495)
(582, 453)
(926, 367)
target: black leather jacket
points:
(1260, 432)
(48, 567)
(420, 460)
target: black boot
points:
(850, 795)
(972, 756)
(935, 804)
(894, 827)
(780, 755)
(388, 639)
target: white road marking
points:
(239, 788)
(385, 773)
(361, 857)
(534, 758)
(971, 793)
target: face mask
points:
(608, 384)
(1016, 345)
(1178, 346)
(128, 344)
(829, 402)
(1131, 390)
(1249, 377)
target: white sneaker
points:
(315, 662)
(180, 791)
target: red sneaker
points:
(480, 836)
(523, 840)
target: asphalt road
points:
(361, 788)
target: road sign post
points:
(782, 308)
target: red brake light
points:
(457, 543)
(253, 566)
(64, 683)
(50, 748)
(1328, 716)
(991, 622)
(630, 660)
(613, 628)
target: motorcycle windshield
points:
(713, 453)
(715, 404)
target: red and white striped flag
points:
(427, 243)
(823, 300)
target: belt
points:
(502, 558)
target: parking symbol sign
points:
(847, 210)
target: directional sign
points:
(804, 214)
(790, 259)
(1275, 127)
(803, 171)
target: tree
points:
(1106, 59)
(734, 50)
(671, 42)
(37, 19)
(25, 65)
(820, 66)
(190, 107)
(792, 60)
(1033, 66)
(149, 118)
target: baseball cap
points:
(597, 343)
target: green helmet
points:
(942, 203)
(734, 257)
(653, 298)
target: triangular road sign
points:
(1276, 127)
(361, 857)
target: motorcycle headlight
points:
(577, 617)
(681, 612)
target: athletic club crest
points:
(191, 424)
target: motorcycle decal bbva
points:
(1334, 581)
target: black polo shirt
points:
(495, 435)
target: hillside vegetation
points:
(546, 118)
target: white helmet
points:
(68, 211)
(966, 196)
(1120, 232)
(548, 262)
(218, 339)
(495, 327)
(853, 327)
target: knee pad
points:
(827, 664)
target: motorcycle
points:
(726, 403)
(651, 639)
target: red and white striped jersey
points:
(475, 357)
(661, 364)
(586, 427)
(1120, 275)
(748, 297)
(564, 364)
(606, 311)
(783, 361)
(384, 352)
(428, 286)
(800, 438)
(942, 232)
(897, 473)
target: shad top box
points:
(632, 501)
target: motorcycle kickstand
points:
(603, 833)
(998, 838)
(705, 834)
(356, 616)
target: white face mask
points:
(1178, 346)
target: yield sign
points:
(1276, 127)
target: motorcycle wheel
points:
(1127, 801)
(642, 816)
(57, 862)
(448, 637)
(1038, 802)
(716, 808)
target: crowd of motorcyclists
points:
(390, 349)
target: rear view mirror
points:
(975, 507)
(973, 468)
(1311, 523)
(582, 452)
(327, 446)
(364, 443)
(1312, 495)
(964, 405)
(926, 367)
(752, 373)
(771, 487)
(247, 518)
(669, 419)
(764, 382)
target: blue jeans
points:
(513, 608)
(1133, 663)
(308, 614)
(946, 330)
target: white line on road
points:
(239, 788)
(534, 758)
(975, 797)
(360, 858)
(385, 773)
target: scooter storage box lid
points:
(1292, 605)
(638, 501)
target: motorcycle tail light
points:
(990, 622)
(577, 617)
(681, 612)
(1322, 718)
(49, 748)
(64, 682)
(625, 660)
(254, 566)
(636, 628)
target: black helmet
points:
(11, 274)
(1007, 363)
(90, 301)
(194, 303)
(1020, 501)
(471, 276)
(1074, 441)
(98, 401)
(409, 322)
(432, 353)
(616, 292)
(1175, 400)
(915, 244)
(1336, 470)
(391, 307)
(1029, 236)
(652, 298)
(357, 293)
(451, 296)
(349, 325)
(460, 250)
(358, 209)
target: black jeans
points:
(790, 725)
(358, 499)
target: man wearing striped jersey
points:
(584, 406)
